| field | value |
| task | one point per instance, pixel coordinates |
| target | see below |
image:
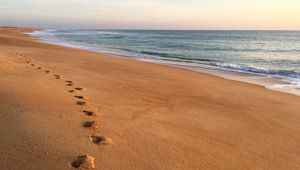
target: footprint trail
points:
(85, 161)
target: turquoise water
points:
(265, 53)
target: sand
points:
(152, 116)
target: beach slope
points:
(157, 117)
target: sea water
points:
(271, 55)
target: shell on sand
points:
(84, 162)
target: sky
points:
(153, 14)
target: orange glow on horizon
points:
(154, 14)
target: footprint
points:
(70, 84)
(40, 68)
(32, 65)
(71, 91)
(100, 140)
(82, 103)
(79, 88)
(47, 71)
(81, 97)
(91, 113)
(58, 76)
(93, 125)
(69, 81)
(84, 162)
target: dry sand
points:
(153, 116)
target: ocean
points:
(269, 58)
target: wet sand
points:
(59, 103)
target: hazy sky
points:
(152, 14)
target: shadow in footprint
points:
(91, 113)
(40, 68)
(100, 140)
(47, 71)
(70, 84)
(82, 103)
(57, 76)
(84, 162)
(79, 88)
(32, 65)
(69, 81)
(81, 97)
(71, 91)
(93, 125)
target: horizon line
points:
(152, 29)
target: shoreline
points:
(158, 117)
(269, 82)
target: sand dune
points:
(154, 117)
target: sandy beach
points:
(157, 117)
